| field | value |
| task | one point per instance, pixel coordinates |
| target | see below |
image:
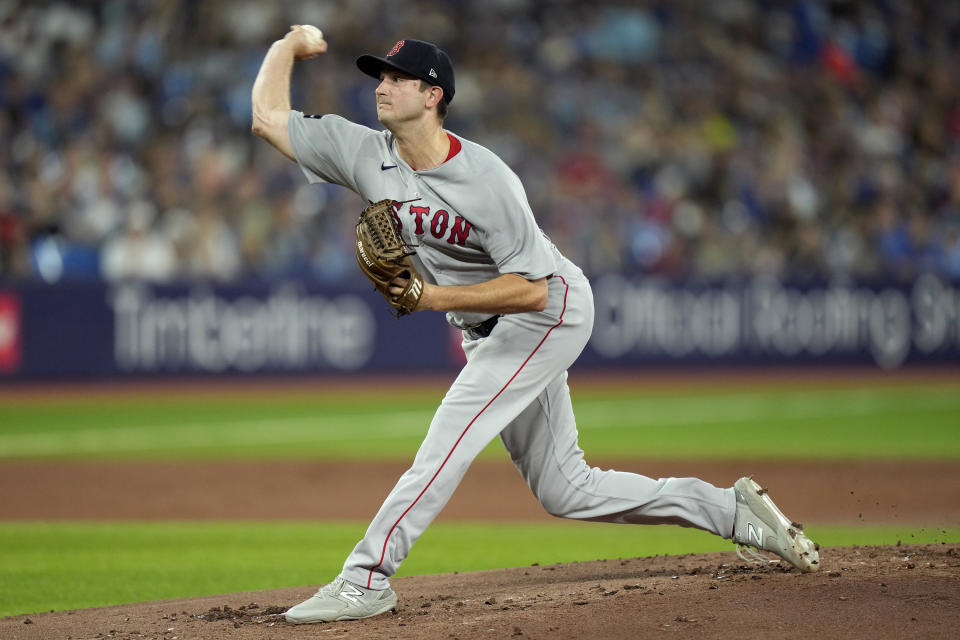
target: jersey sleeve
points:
(511, 236)
(326, 147)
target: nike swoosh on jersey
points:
(384, 166)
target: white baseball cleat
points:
(760, 524)
(342, 600)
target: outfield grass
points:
(915, 421)
(70, 565)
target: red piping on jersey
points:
(383, 553)
(455, 147)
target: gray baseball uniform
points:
(470, 222)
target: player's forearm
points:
(271, 89)
(508, 293)
(271, 97)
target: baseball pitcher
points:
(450, 229)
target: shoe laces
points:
(330, 588)
(752, 556)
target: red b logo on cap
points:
(396, 48)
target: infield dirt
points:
(877, 492)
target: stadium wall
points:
(97, 330)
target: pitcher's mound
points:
(910, 591)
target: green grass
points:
(910, 420)
(69, 565)
(47, 566)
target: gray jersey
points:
(470, 222)
(468, 219)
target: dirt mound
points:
(910, 591)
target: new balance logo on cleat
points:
(342, 600)
(350, 592)
(759, 524)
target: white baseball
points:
(314, 35)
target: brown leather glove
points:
(383, 255)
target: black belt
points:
(483, 329)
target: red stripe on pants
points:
(383, 553)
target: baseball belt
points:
(482, 329)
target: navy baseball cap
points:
(423, 60)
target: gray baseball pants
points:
(515, 384)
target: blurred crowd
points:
(807, 140)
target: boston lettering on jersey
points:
(438, 223)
